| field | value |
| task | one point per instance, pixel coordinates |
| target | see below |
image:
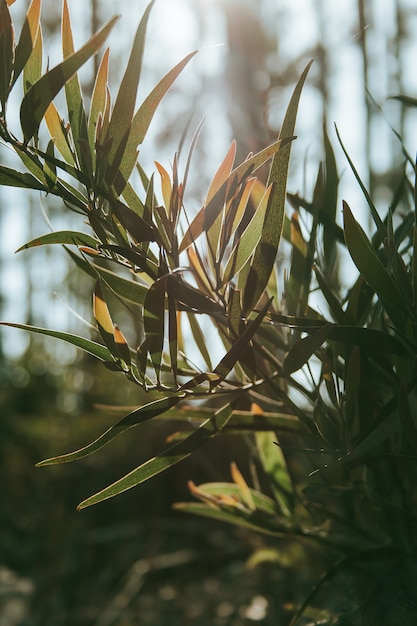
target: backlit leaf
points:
(368, 262)
(41, 93)
(123, 110)
(174, 454)
(32, 70)
(237, 176)
(55, 123)
(248, 240)
(136, 417)
(96, 349)
(266, 251)
(27, 38)
(103, 318)
(141, 122)
(98, 100)
(6, 52)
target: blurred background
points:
(132, 560)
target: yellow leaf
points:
(222, 173)
(166, 185)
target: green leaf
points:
(301, 351)
(27, 38)
(276, 469)
(6, 52)
(174, 454)
(32, 70)
(238, 349)
(382, 231)
(75, 101)
(123, 287)
(13, 178)
(154, 312)
(55, 126)
(368, 262)
(141, 122)
(121, 118)
(43, 91)
(99, 101)
(136, 417)
(265, 254)
(62, 237)
(201, 222)
(93, 348)
(248, 241)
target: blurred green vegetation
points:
(130, 560)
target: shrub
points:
(328, 399)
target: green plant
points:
(335, 391)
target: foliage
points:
(335, 389)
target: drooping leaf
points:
(174, 454)
(136, 417)
(44, 90)
(13, 178)
(93, 348)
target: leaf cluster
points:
(328, 398)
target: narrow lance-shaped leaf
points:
(141, 122)
(41, 93)
(124, 105)
(154, 312)
(267, 248)
(55, 126)
(93, 348)
(98, 101)
(237, 176)
(6, 52)
(301, 351)
(75, 100)
(368, 262)
(103, 319)
(382, 231)
(27, 38)
(238, 348)
(136, 417)
(13, 178)
(174, 454)
(32, 70)
(248, 241)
